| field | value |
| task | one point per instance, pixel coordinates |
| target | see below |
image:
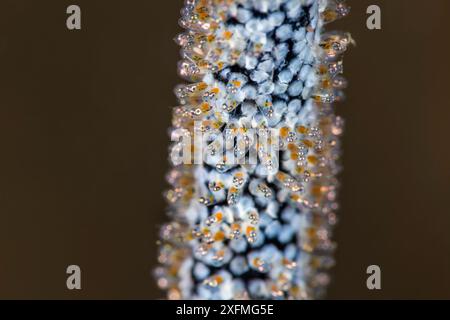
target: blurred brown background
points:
(83, 138)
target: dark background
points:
(83, 138)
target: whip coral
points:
(266, 74)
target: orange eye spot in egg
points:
(189, 237)
(323, 69)
(257, 262)
(196, 58)
(312, 159)
(220, 253)
(202, 64)
(227, 35)
(284, 131)
(326, 83)
(299, 170)
(205, 107)
(236, 83)
(295, 291)
(173, 271)
(314, 262)
(317, 98)
(202, 86)
(292, 147)
(302, 129)
(280, 176)
(249, 230)
(223, 15)
(203, 15)
(308, 143)
(316, 191)
(235, 226)
(311, 232)
(184, 181)
(219, 236)
(215, 90)
(329, 15)
(295, 197)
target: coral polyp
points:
(252, 211)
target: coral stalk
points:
(265, 74)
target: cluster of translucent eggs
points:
(262, 229)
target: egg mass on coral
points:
(263, 76)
